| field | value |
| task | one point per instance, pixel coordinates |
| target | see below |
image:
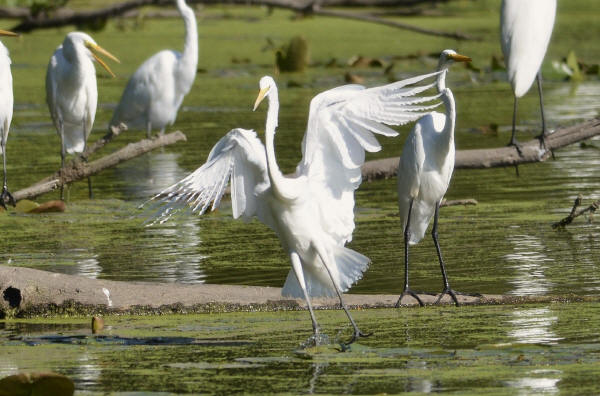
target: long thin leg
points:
(84, 156)
(434, 234)
(407, 291)
(297, 266)
(542, 136)
(148, 129)
(327, 263)
(513, 136)
(5, 196)
(63, 153)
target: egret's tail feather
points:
(349, 268)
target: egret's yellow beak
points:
(96, 50)
(7, 33)
(460, 58)
(261, 95)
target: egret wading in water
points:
(525, 30)
(72, 94)
(312, 211)
(157, 88)
(424, 173)
(6, 112)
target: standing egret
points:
(71, 91)
(312, 211)
(6, 112)
(157, 88)
(424, 173)
(526, 27)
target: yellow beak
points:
(7, 33)
(261, 95)
(96, 50)
(460, 58)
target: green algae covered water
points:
(503, 245)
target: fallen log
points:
(79, 169)
(29, 292)
(500, 156)
(64, 17)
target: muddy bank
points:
(28, 292)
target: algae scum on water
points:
(503, 245)
(529, 349)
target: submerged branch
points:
(576, 213)
(64, 16)
(498, 157)
(79, 169)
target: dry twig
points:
(576, 213)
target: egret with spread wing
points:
(157, 88)
(312, 211)
(525, 30)
(71, 91)
(424, 173)
(6, 112)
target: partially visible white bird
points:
(6, 112)
(71, 91)
(525, 30)
(424, 173)
(312, 211)
(157, 88)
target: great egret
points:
(526, 27)
(155, 91)
(6, 111)
(312, 211)
(424, 173)
(71, 91)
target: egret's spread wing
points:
(239, 156)
(341, 126)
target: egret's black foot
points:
(514, 143)
(449, 292)
(6, 197)
(357, 334)
(409, 292)
(543, 138)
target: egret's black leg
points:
(434, 234)
(513, 136)
(407, 291)
(327, 262)
(148, 130)
(62, 155)
(542, 136)
(297, 266)
(5, 196)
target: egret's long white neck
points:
(190, 47)
(448, 99)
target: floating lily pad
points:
(36, 384)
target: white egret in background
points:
(71, 91)
(424, 173)
(312, 211)
(6, 112)
(157, 88)
(525, 30)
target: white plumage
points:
(156, 90)
(525, 31)
(312, 211)
(425, 170)
(71, 91)
(6, 112)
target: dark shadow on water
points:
(82, 339)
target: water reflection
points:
(533, 326)
(573, 102)
(535, 386)
(530, 264)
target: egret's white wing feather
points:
(239, 156)
(342, 125)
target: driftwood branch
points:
(78, 169)
(64, 16)
(576, 213)
(498, 157)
